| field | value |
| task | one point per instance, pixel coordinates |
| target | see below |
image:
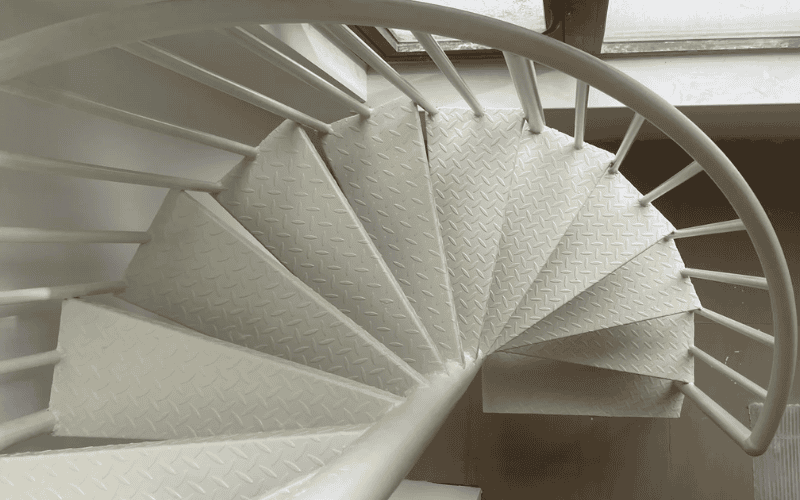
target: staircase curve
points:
(302, 328)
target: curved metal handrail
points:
(62, 41)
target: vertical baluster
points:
(523, 75)
(581, 103)
(446, 66)
(627, 142)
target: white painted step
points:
(554, 180)
(610, 229)
(231, 467)
(657, 347)
(381, 166)
(423, 490)
(290, 202)
(203, 270)
(514, 383)
(472, 163)
(646, 287)
(130, 376)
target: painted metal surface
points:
(627, 141)
(553, 181)
(523, 74)
(648, 286)
(132, 377)
(376, 62)
(382, 169)
(775, 473)
(730, 278)
(514, 383)
(581, 105)
(234, 467)
(48, 166)
(472, 162)
(204, 271)
(715, 228)
(374, 465)
(676, 180)
(32, 361)
(40, 294)
(263, 50)
(74, 101)
(172, 62)
(37, 235)
(444, 64)
(22, 428)
(609, 230)
(657, 347)
(291, 203)
(739, 379)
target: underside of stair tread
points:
(648, 286)
(514, 383)
(472, 163)
(610, 229)
(203, 270)
(381, 166)
(291, 203)
(554, 180)
(233, 467)
(657, 348)
(125, 376)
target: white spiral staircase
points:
(302, 328)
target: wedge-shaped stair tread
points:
(290, 202)
(657, 347)
(554, 180)
(204, 271)
(472, 162)
(648, 286)
(610, 229)
(514, 383)
(233, 467)
(381, 166)
(133, 377)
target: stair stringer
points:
(233, 467)
(381, 166)
(472, 162)
(514, 383)
(610, 229)
(656, 347)
(203, 270)
(648, 286)
(554, 180)
(133, 377)
(291, 203)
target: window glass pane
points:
(650, 20)
(526, 13)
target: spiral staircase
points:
(301, 328)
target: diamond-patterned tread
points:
(554, 181)
(203, 270)
(657, 347)
(291, 203)
(381, 165)
(610, 229)
(125, 376)
(648, 286)
(514, 383)
(229, 468)
(472, 162)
